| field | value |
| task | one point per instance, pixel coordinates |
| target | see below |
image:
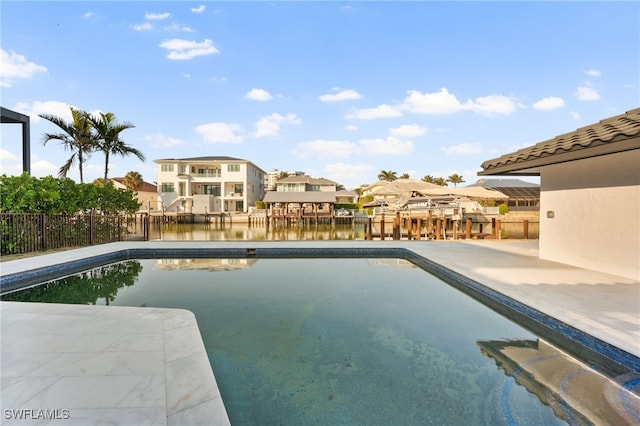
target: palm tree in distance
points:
(404, 176)
(455, 179)
(440, 181)
(387, 175)
(429, 179)
(76, 136)
(133, 181)
(108, 134)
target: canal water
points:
(246, 232)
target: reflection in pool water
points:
(352, 341)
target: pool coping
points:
(496, 300)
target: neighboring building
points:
(522, 195)
(303, 183)
(209, 184)
(590, 194)
(147, 196)
(270, 179)
(307, 194)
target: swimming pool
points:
(354, 341)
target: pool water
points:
(341, 341)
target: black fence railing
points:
(22, 233)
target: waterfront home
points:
(203, 185)
(147, 195)
(589, 193)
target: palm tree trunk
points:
(106, 166)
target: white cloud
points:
(587, 93)
(321, 148)
(147, 26)
(156, 16)
(16, 66)
(408, 131)
(88, 15)
(59, 109)
(351, 127)
(382, 111)
(220, 132)
(258, 95)
(270, 125)
(493, 104)
(549, 103)
(593, 73)
(180, 49)
(390, 145)
(159, 140)
(462, 149)
(12, 165)
(575, 115)
(343, 95)
(198, 9)
(443, 102)
(177, 28)
(6, 155)
(350, 175)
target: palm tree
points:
(387, 175)
(133, 181)
(455, 179)
(76, 137)
(429, 179)
(108, 134)
(404, 176)
(440, 181)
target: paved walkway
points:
(602, 305)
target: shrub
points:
(503, 208)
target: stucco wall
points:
(596, 221)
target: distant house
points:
(307, 194)
(589, 193)
(147, 196)
(522, 195)
(208, 184)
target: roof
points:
(146, 186)
(306, 179)
(616, 134)
(412, 187)
(300, 197)
(512, 188)
(504, 183)
(209, 158)
(401, 187)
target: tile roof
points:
(611, 135)
(146, 186)
(306, 179)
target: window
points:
(183, 168)
(167, 187)
(211, 190)
(233, 167)
(314, 188)
(166, 167)
(237, 188)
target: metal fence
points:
(26, 233)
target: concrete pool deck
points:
(140, 366)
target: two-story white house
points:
(208, 184)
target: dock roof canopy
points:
(300, 197)
(616, 134)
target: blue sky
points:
(340, 90)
